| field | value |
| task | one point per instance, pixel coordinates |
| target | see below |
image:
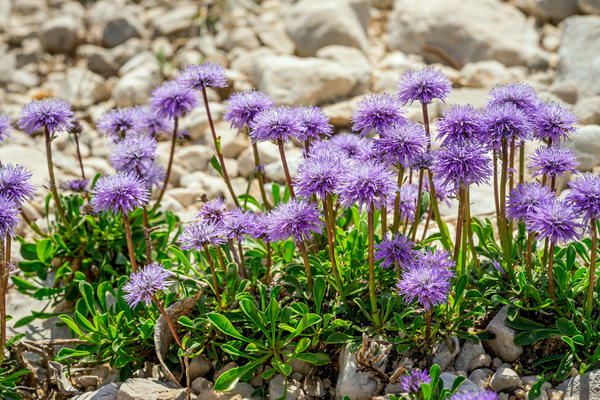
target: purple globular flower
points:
(122, 191)
(153, 123)
(76, 185)
(242, 108)
(295, 219)
(5, 125)
(153, 175)
(120, 122)
(424, 85)
(9, 216)
(411, 381)
(395, 251)
(314, 124)
(15, 183)
(259, 228)
(460, 124)
(401, 144)
(172, 100)
(276, 123)
(146, 283)
(555, 220)
(377, 112)
(54, 114)
(409, 193)
(201, 76)
(353, 146)
(134, 152)
(238, 223)
(200, 234)
(462, 165)
(519, 94)
(525, 198)
(481, 395)
(213, 211)
(553, 122)
(584, 196)
(367, 183)
(438, 257)
(423, 160)
(553, 161)
(319, 175)
(505, 121)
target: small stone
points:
(504, 379)
(277, 389)
(481, 377)
(313, 386)
(585, 386)
(480, 361)
(588, 110)
(86, 380)
(468, 351)
(120, 28)
(175, 21)
(467, 386)
(106, 392)
(584, 143)
(520, 393)
(555, 394)
(503, 343)
(353, 382)
(194, 158)
(135, 86)
(589, 6)
(61, 34)
(139, 389)
(446, 352)
(567, 91)
(83, 88)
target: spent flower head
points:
(553, 161)
(460, 124)
(146, 283)
(295, 219)
(555, 220)
(53, 114)
(242, 108)
(15, 183)
(424, 85)
(172, 100)
(202, 76)
(367, 183)
(584, 196)
(526, 198)
(377, 112)
(401, 144)
(396, 251)
(122, 191)
(276, 123)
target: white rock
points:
(83, 88)
(194, 158)
(589, 6)
(277, 389)
(275, 171)
(481, 377)
(504, 379)
(353, 382)
(196, 122)
(136, 86)
(502, 344)
(467, 386)
(271, 32)
(232, 144)
(313, 386)
(484, 74)
(586, 386)
(340, 114)
(243, 37)
(468, 352)
(175, 21)
(586, 146)
(61, 34)
(355, 61)
(446, 352)
(267, 153)
(479, 361)
(107, 392)
(588, 110)
(549, 10)
(566, 91)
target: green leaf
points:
(525, 338)
(224, 325)
(319, 288)
(65, 353)
(43, 250)
(338, 337)
(87, 291)
(215, 164)
(71, 324)
(314, 358)
(227, 380)
(566, 327)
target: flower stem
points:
(214, 275)
(242, 265)
(147, 238)
(530, 238)
(129, 238)
(170, 164)
(32, 224)
(522, 163)
(3, 286)
(459, 228)
(259, 176)
(436, 213)
(503, 221)
(286, 170)
(76, 138)
(168, 320)
(221, 260)
(302, 248)
(396, 222)
(592, 274)
(331, 246)
(429, 215)
(550, 274)
(217, 142)
(59, 207)
(418, 206)
(269, 263)
(426, 124)
(496, 195)
(371, 256)
(469, 227)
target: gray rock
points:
(83, 88)
(479, 361)
(275, 171)
(446, 352)
(582, 387)
(201, 385)
(7, 67)
(504, 379)
(99, 59)
(588, 110)
(355, 61)
(278, 388)
(294, 80)
(549, 10)
(267, 152)
(107, 392)
(144, 389)
(481, 377)
(589, 6)
(61, 34)
(503, 342)
(5, 10)
(467, 386)
(579, 54)
(86, 380)
(176, 21)
(120, 28)
(195, 158)
(353, 382)
(312, 25)
(484, 74)
(199, 366)
(468, 352)
(566, 91)
(586, 146)
(478, 30)
(313, 386)
(271, 32)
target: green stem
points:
(522, 163)
(469, 227)
(530, 238)
(214, 275)
(459, 227)
(53, 189)
(436, 213)
(397, 219)
(592, 273)
(169, 165)
(371, 256)
(331, 246)
(3, 286)
(503, 221)
(302, 248)
(259, 176)
(551, 274)
(418, 207)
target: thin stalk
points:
(8, 248)
(503, 221)
(459, 228)
(234, 252)
(302, 248)
(436, 213)
(426, 123)
(3, 286)
(242, 265)
(76, 138)
(259, 176)
(269, 263)
(371, 256)
(188, 381)
(147, 238)
(496, 195)
(34, 227)
(469, 227)
(221, 260)
(592, 275)
(511, 176)
(550, 274)
(59, 207)
(288, 177)
(170, 163)
(383, 216)
(429, 215)
(522, 162)
(331, 246)
(418, 207)
(332, 219)
(217, 142)
(464, 241)
(306, 147)
(129, 239)
(214, 274)
(530, 238)
(396, 222)
(168, 319)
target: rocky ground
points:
(111, 53)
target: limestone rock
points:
(277, 389)
(136, 83)
(83, 88)
(586, 146)
(144, 389)
(107, 392)
(588, 110)
(355, 61)
(354, 383)
(467, 386)
(175, 21)
(503, 344)
(481, 377)
(468, 352)
(446, 352)
(504, 379)
(586, 386)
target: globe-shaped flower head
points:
(519, 94)
(411, 381)
(144, 284)
(238, 223)
(505, 122)
(198, 235)
(526, 198)
(242, 107)
(277, 123)
(53, 114)
(122, 191)
(172, 100)
(481, 395)
(424, 85)
(202, 76)
(401, 144)
(462, 165)
(353, 146)
(153, 123)
(5, 124)
(9, 217)
(396, 251)
(460, 124)
(367, 183)
(76, 185)
(134, 152)
(584, 196)
(553, 122)
(314, 123)
(377, 112)
(319, 175)
(213, 211)
(15, 183)
(120, 122)
(554, 220)
(552, 161)
(295, 219)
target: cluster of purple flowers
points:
(15, 189)
(411, 381)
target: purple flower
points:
(409, 192)
(554, 220)
(9, 217)
(553, 122)
(120, 122)
(260, 226)
(424, 85)
(437, 257)
(144, 284)
(133, 153)
(367, 183)
(295, 219)
(519, 94)
(5, 125)
(153, 175)
(202, 76)
(584, 196)
(153, 123)
(505, 121)
(462, 165)
(525, 198)
(427, 282)
(276, 123)
(243, 107)
(401, 144)
(53, 114)
(15, 183)
(76, 185)
(172, 100)
(122, 191)
(423, 160)
(397, 250)
(411, 382)
(314, 124)
(213, 211)
(552, 161)
(201, 234)
(319, 175)
(481, 395)
(353, 146)
(238, 223)
(460, 124)
(377, 112)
